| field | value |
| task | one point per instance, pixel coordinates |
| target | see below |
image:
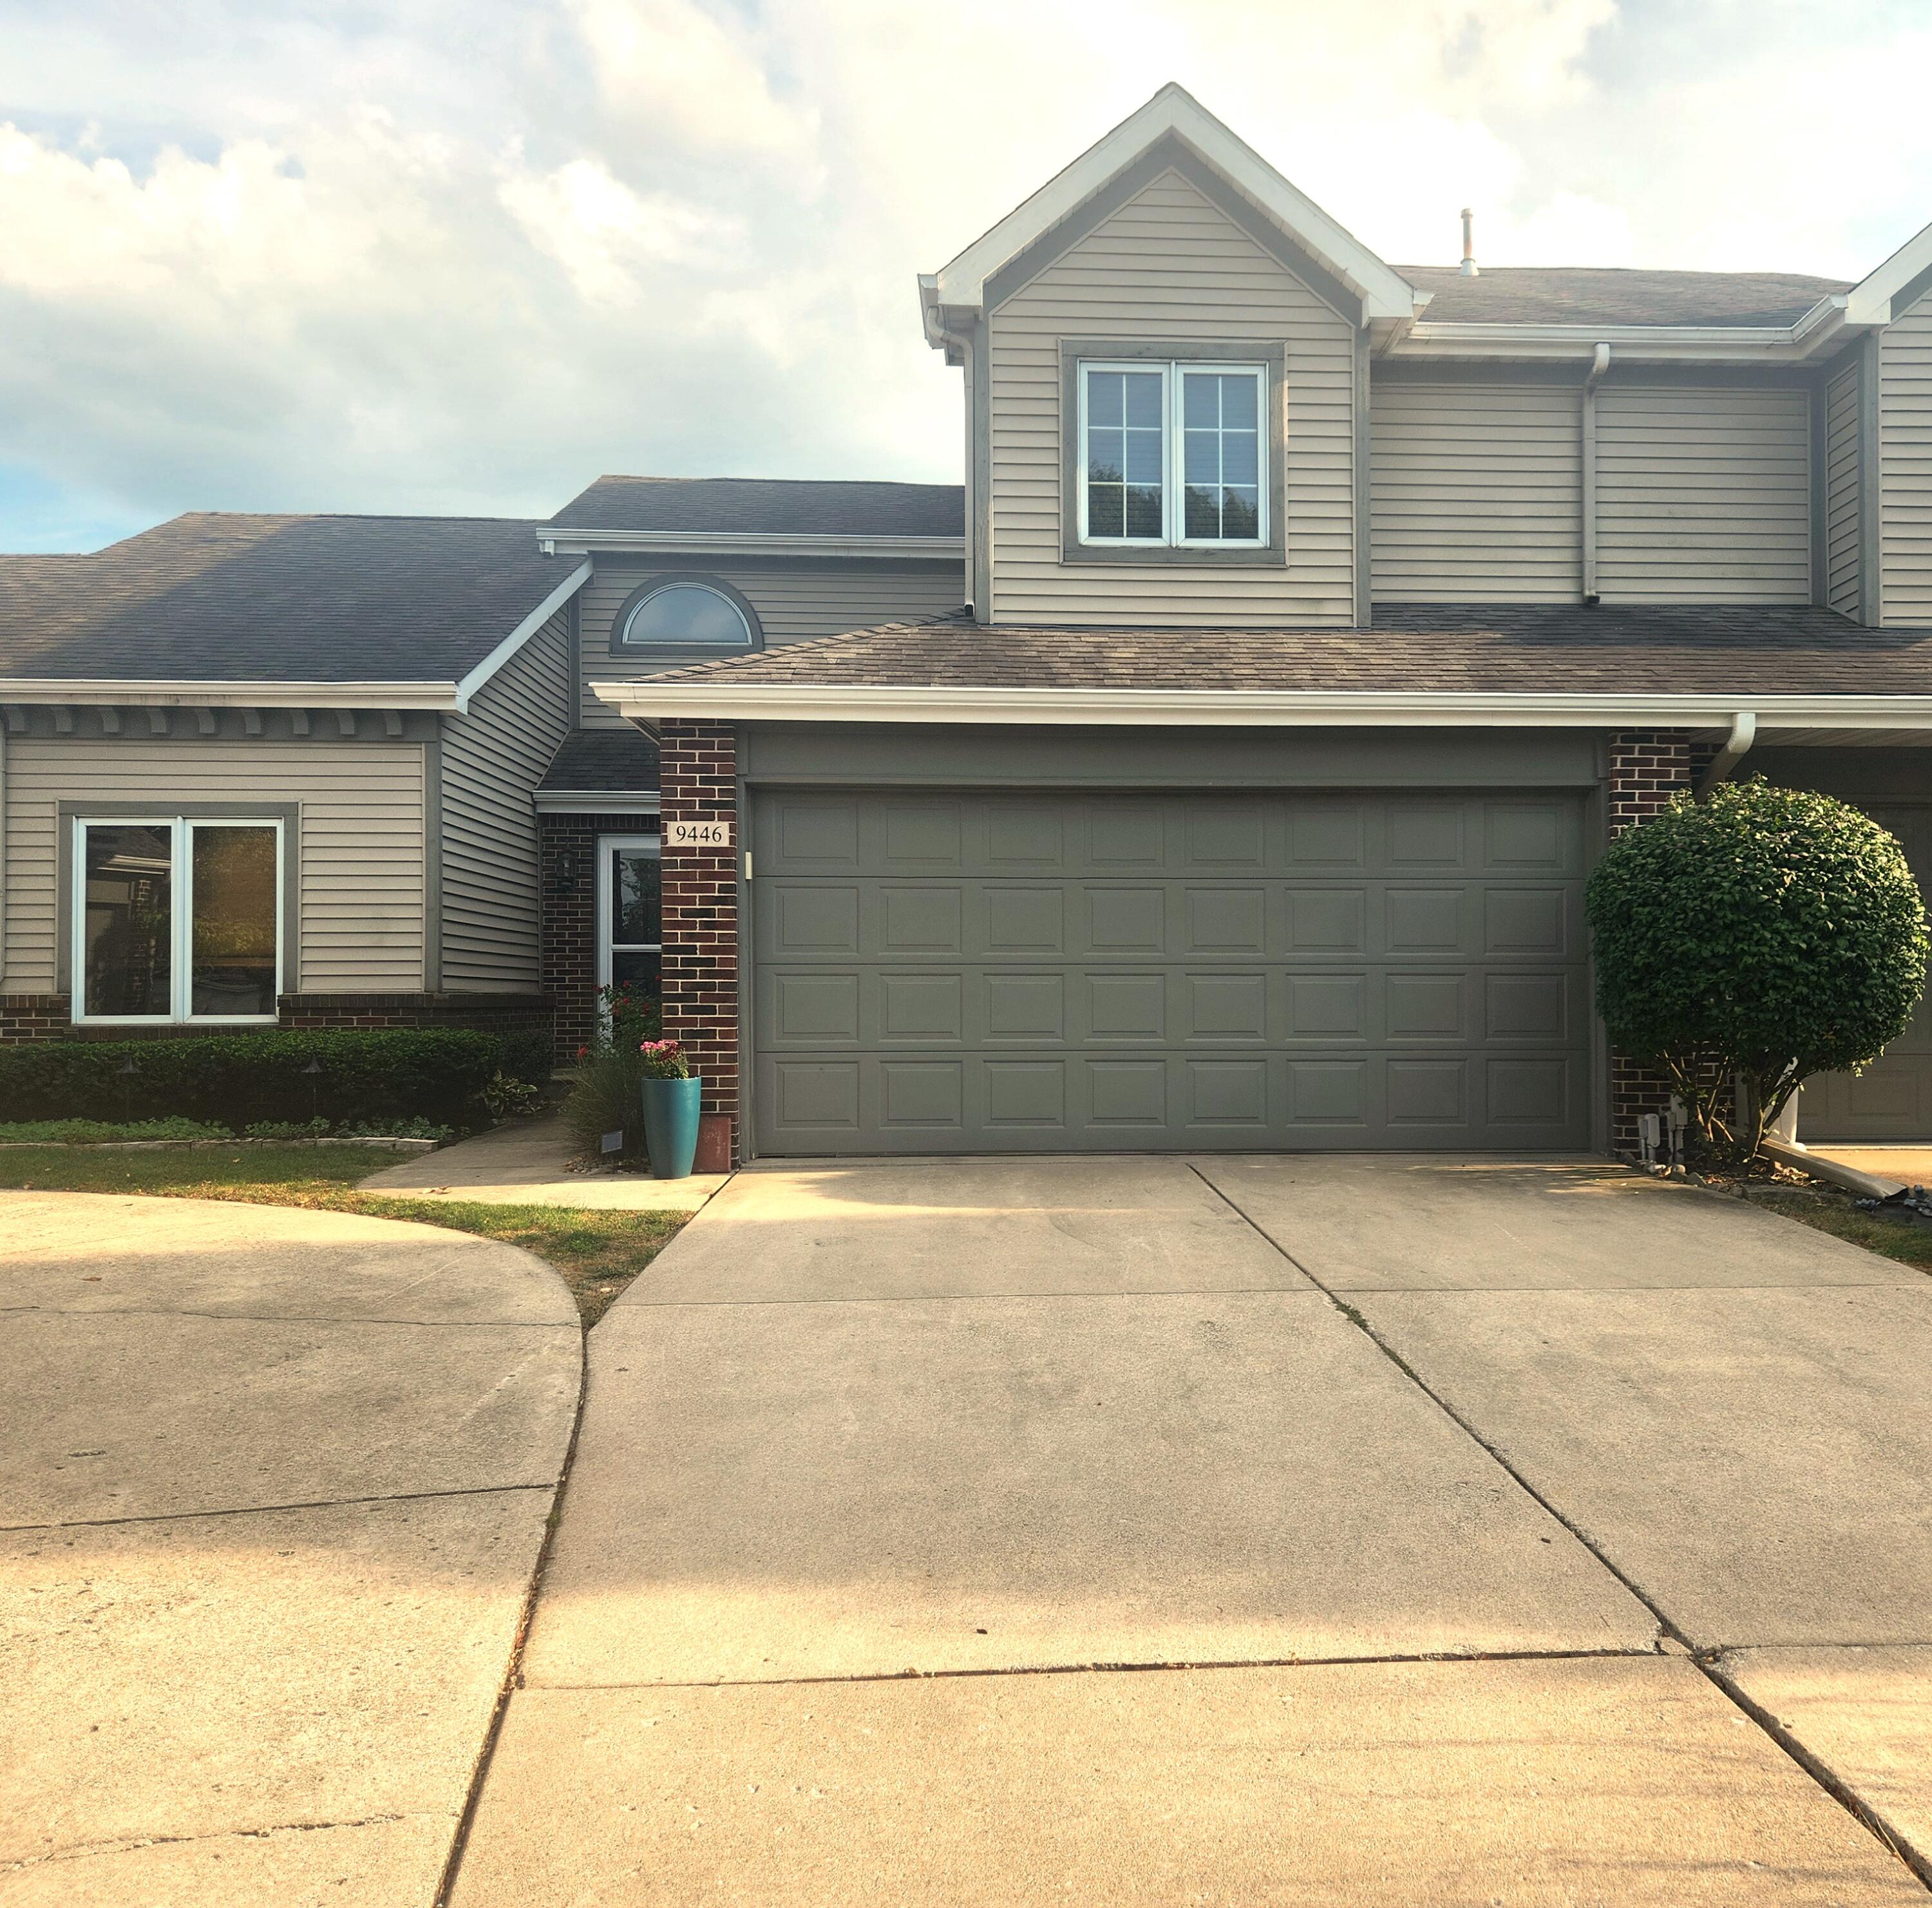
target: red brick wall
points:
(698, 780)
(47, 1016)
(1647, 767)
(567, 844)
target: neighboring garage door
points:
(1892, 1100)
(971, 973)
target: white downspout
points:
(1600, 363)
(1744, 733)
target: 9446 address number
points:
(698, 834)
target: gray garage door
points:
(1892, 1098)
(988, 972)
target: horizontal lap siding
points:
(493, 759)
(1905, 465)
(1703, 495)
(360, 898)
(1169, 266)
(1478, 493)
(793, 605)
(1841, 491)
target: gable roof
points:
(1172, 114)
(1588, 295)
(214, 597)
(766, 506)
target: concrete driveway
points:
(273, 1486)
(1234, 1530)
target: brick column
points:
(1647, 767)
(698, 781)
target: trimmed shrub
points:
(376, 1078)
(1766, 933)
(15, 1133)
(526, 1057)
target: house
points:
(1221, 770)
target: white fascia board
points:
(1869, 302)
(1384, 292)
(731, 543)
(132, 692)
(596, 801)
(470, 684)
(724, 700)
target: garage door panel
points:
(1096, 971)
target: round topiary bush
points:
(1764, 932)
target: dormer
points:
(1166, 353)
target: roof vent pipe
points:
(1470, 267)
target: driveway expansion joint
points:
(270, 1510)
(1178, 1666)
(291, 1318)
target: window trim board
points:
(181, 819)
(671, 579)
(1272, 358)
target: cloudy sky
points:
(463, 255)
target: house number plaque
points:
(698, 834)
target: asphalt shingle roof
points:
(1588, 295)
(608, 761)
(752, 506)
(1428, 648)
(222, 597)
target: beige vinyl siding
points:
(359, 898)
(493, 759)
(1168, 267)
(794, 603)
(1905, 466)
(1478, 493)
(1703, 494)
(1841, 490)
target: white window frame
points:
(608, 846)
(648, 643)
(180, 928)
(1173, 372)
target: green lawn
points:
(597, 1254)
(1830, 1211)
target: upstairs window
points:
(1173, 455)
(703, 613)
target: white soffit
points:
(1384, 292)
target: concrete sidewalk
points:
(274, 1483)
(534, 1163)
(1005, 1531)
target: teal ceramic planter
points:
(670, 1125)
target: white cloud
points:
(449, 256)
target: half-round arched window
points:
(687, 612)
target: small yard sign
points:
(698, 834)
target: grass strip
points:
(1829, 1210)
(596, 1253)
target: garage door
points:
(1892, 1098)
(987, 973)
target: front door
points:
(630, 951)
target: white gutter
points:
(722, 700)
(470, 684)
(597, 801)
(562, 542)
(135, 692)
(1744, 733)
(1698, 344)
